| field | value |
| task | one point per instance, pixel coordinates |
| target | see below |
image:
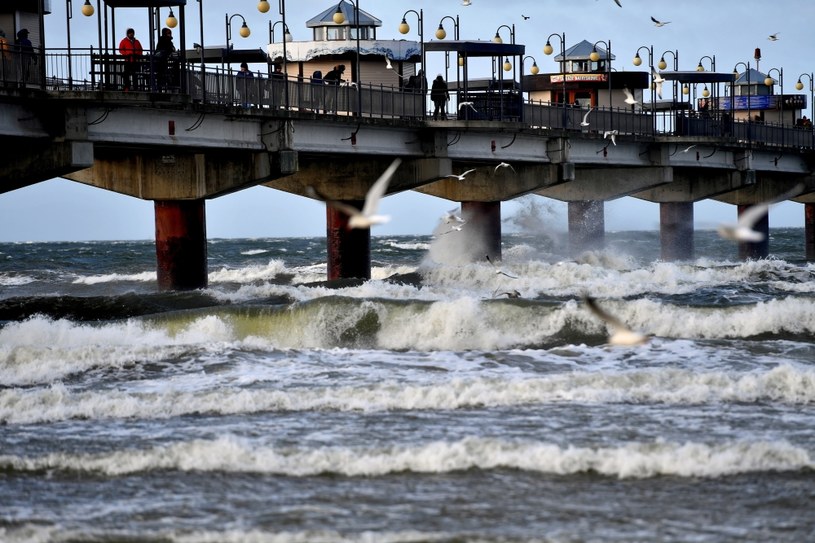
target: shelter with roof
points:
(583, 81)
(381, 62)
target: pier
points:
(211, 133)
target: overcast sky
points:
(729, 30)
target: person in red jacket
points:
(130, 48)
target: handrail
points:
(92, 69)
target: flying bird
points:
(618, 3)
(629, 98)
(585, 121)
(774, 37)
(612, 135)
(466, 2)
(526, 17)
(658, 81)
(466, 104)
(688, 148)
(388, 64)
(461, 177)
(452, 217)
(367, 217)
(508, 294)
(504, 165)
(621, 334)
(743, 229)
(499, 271)
(659, 23)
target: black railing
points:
(94, 70)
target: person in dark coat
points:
(26, 49)
(164, 49)
(439, 95)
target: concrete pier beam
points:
(757, 249)
(483, 229)
(676, 230)
(586, 225)
(181, 244)
(349, 250)
(809, 231)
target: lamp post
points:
(662, 65)
(769, 81)
(700, 67)
(87, 11)
(339, 18)
(441, 33)
(595, 57)
(497, 38)
(799, 85)
(404, 28)
(244, 30)
(548, 50)
(534, 70)
(286, 38)
(733, 98)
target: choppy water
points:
(422, 405)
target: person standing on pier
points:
(164, 48)
(26, 50)
(5, 56)
(439, 95)
(130, 48)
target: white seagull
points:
(612, 135)
(585, 121)
(504, 165)
(774, 37)
(499, 271)
(629, 98)
(743, 229)
(621, 334)
(466, 104)
(452, 217)
(388, 65)
(508, 294)
(466, 2)
(461, 177)
(367, 217)
(688, 148)
(659, 23)
(658, 81)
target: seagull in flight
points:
(621, 334)
(743, 229)
(585, 121)
(508, 294)
(688, 148)
(452, 217)
(467, 104)
(366, 217)
(774, 37)
(462, 176)
(525, 17)
(504, 165)
(618, 3)
(629, 98)
(499, 271)
(466, 2)
(659, 23)
(612, 135)
(658, 81)
(388, 65)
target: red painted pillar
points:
(483, 229)
(349, 251)
(757, 249)
(181, 244)
(809, 231)
(587, 225)
(676, 230)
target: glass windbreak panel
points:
(336, 33)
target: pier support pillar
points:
(483, 229)
(349, 250)
(676, 230)
(181, 244)
(758, 249)
(587, 227)
(809, 231)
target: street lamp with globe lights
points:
(404, 28)
(799, 85)
(548, 50)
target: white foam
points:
(786, 384)
(7, 280)
(142, 277)
(630, 460)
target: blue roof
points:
(756, 78)
(326, 18)
(582, 50)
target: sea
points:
(443, 400)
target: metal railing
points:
(94, 70)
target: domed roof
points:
(326, 18)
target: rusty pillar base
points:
(676, 230)
(349, 251)
(759, 249)
(483, 229)
(181, 244)
(809, 231)
(587, 226)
